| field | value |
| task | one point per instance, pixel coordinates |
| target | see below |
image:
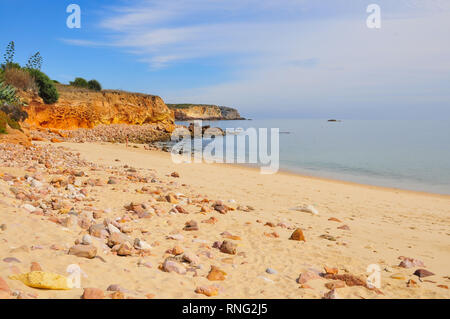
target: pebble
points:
(37, 184)
(171, 265)
(335, 284)
(117, 239)
(86, 240)
(115, 287)
(329, 270)
(271, 271)
(11, 260)
(228, 247)
(422, 273)
(191, 225)
(113, 229)
(35, 266)
(410, 262)
(176, 237)
(307, 276)
(191, 258)
(117, 295)
(93, 293)
(298, 235)
(216, 274)
(332, 294)
(125, 249)
(307, 209)
(177, 250)
(141, 245)
(86, 251)
(209, 291)
(29, 208)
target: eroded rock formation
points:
(81, 108)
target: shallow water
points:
(412, 155)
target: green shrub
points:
(94, 85)
(47, 89)
(80, 82)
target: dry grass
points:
(20, 79)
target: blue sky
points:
(284, 58)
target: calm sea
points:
(412, 155)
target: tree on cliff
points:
(47, 89)
(82, 83)
(94, 85)
(10, 52)
(35, 61)
(9, 57)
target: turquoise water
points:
(412, 155)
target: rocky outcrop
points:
(81, 108)
(229, 113)
(186, 112)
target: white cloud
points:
(296, 54)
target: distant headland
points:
(186, 112)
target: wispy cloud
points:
(317, 52)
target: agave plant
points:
(8, 94)
(11, 104)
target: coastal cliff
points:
(185, 112)
(82, 108)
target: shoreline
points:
(369, 186)
(357, 226)
(292, 172)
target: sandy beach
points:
(356, 226)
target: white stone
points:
(113, 229)
(86, 240)
(36, 183)
(307, 209)
(29, 207)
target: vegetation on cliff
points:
(10, 108)
(187, 105)
(28, 95)
(82, 83)
(47, 89)
(28, 78)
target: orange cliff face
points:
(81, 108)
